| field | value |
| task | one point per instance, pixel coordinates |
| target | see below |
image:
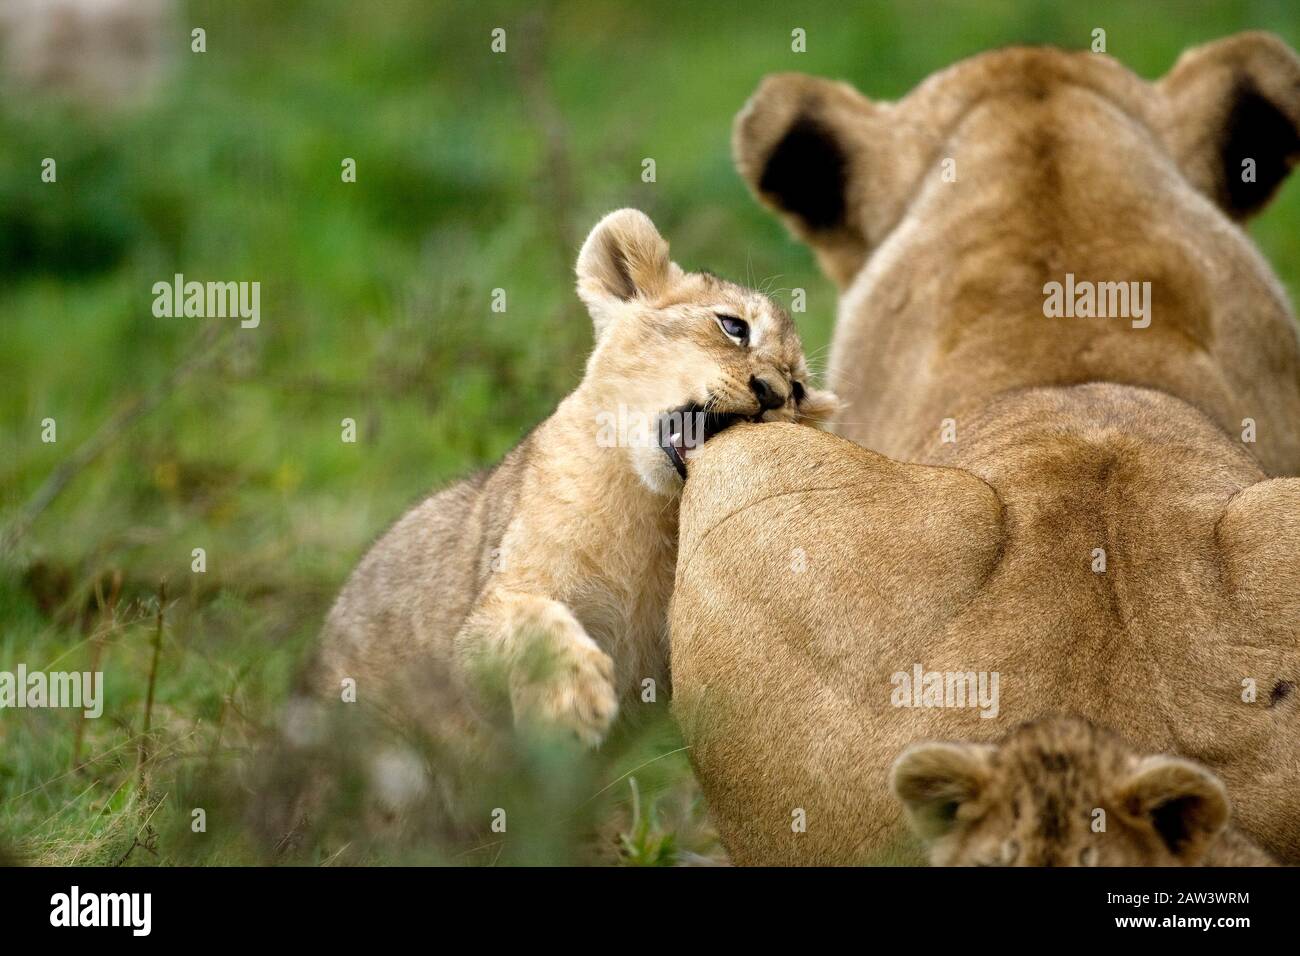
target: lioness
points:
(1092, 508)
(555, 567)
(1063, 792)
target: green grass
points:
(475, 172)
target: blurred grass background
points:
(475, 171)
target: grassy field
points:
(475, 171)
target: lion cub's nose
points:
(768, 397)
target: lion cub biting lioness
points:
(552, 572)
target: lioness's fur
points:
(1079, 505)
(554, 569)
(1063, 792)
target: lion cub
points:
(553, 570)
(1042, 795)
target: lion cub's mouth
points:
(683, 431)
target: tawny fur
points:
(553, 571)
(1063, 792)
(1068, 435)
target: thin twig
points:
(636, 805)
(113, 427)
(107, 611)
(221, 726)
(555, 177)
(153, 680)
(150, 841)
(632, 771)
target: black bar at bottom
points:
(331, 905)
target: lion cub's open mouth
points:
(683, 431)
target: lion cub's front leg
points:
(557, 674)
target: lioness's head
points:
(843, 170)
(686, 353)
(1058, 792)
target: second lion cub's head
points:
(682, 355)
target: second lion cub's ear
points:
(934, 780)
(1185, 804)
(623, 259)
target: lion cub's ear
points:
(623, 259)
(1185, 804)
(1232, 118)
(935, 780)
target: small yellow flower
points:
(288, 476)
(167, 475)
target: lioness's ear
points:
(802, 145)
(624, 258)
(1184, 803)
(818, 407)
(934, 781)
(1232, 118)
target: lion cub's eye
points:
(736, 329)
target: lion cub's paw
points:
(564, 680)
